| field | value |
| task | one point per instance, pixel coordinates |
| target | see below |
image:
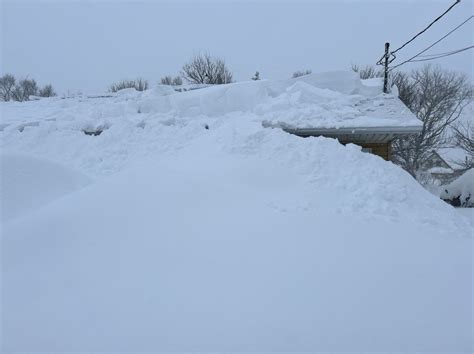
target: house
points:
(438, 168)
(342, 106)
(457, 159)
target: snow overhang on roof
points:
(354, 134)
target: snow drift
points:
(205, 231)
(27, 183)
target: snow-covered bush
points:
(460, 192)
(172, 81)
(301, 73)
(138, 84)
(47, 91)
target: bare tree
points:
(138, 84)
(301, 73)
(7, 84)
(464, 139)
(24, 89)
(47, 91)
(437, 97)
(204, 69)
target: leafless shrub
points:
(7, 84)
(47, 91)
(169, 80)
(24, 89)
(177, 81)
(301, 73)
(138, 84)
(204, 69)
(367, 72)
(256, 77)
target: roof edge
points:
(402, 130)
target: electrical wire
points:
(443, 55)
(437, 54)
(439, 40)
(426, 28)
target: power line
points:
(443, 55)
(433, 44)
(424, 30)
(437, 54)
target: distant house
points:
(339, 105)
(438, 168)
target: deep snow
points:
(27, 183)
(232, 238)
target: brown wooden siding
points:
(380, 149)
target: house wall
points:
(384, 150)
(379, 144)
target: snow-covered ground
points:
(468, 213)
(188, 226)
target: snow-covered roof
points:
(326, 100)
(454, 156)
(440, 170)
(338, 100)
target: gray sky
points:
(87, 45)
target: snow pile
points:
(217, 252)
(205, 231)
(460, 192)
(27, 183)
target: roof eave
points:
(399, 131)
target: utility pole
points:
(385, 75)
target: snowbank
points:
(28, 183)
(216, 252)
(460, 192)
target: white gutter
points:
(354, 130)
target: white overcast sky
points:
(87, 45)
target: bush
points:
(301, 73)
(138, 84)
(21, 91)
(368, 71)
(47, 91)
(7, 85)
(169, 80)
(204, 69)
(24, 89)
